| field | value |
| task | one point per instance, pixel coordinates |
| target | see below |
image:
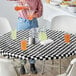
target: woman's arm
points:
(39, 11)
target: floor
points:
(51, 67)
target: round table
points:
(56, 50)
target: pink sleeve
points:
(40, 8)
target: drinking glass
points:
(42, 34)
(18, 7)
(30, 14)
(14, 34)
(67, 38)
(24, 45)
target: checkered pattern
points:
(57, 50)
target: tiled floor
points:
(51, 70)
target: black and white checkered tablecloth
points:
(57, 50)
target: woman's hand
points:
(31, 17)
(35, 15)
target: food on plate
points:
(74, 2)
(65, 2)
(72, 5)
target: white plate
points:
(57, 1)
(63, 6)
(72, 9)
(54, 3)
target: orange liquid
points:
(30, 17)
(67, 38)
(17, 8)
(23, 45)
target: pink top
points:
(33, 4)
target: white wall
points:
(7, 10)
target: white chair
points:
(43, 22)
(68, 24)
(4, 26)
(71, 71)
(6, 68)
(64, 23)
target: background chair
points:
(71, 71)
(67, 24)
(64, 23)
(4, 26)
(6, 68)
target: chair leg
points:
(52, 65)
(43, 67)
(60, 65)
(71, 57)
(23, 62)
(52, 62)
(15, 68)
(21, 66)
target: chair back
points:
(71, 71)
(4, 26)
(64, 23)
(6, 68)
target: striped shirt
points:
(35, 5)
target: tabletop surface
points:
(57, 50)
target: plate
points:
(54, 3)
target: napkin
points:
(45, 42)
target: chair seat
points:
(4, 26)
(6, 68)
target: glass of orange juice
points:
(17, 8)
(24, 45)
(67, 38)
(30, 14)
